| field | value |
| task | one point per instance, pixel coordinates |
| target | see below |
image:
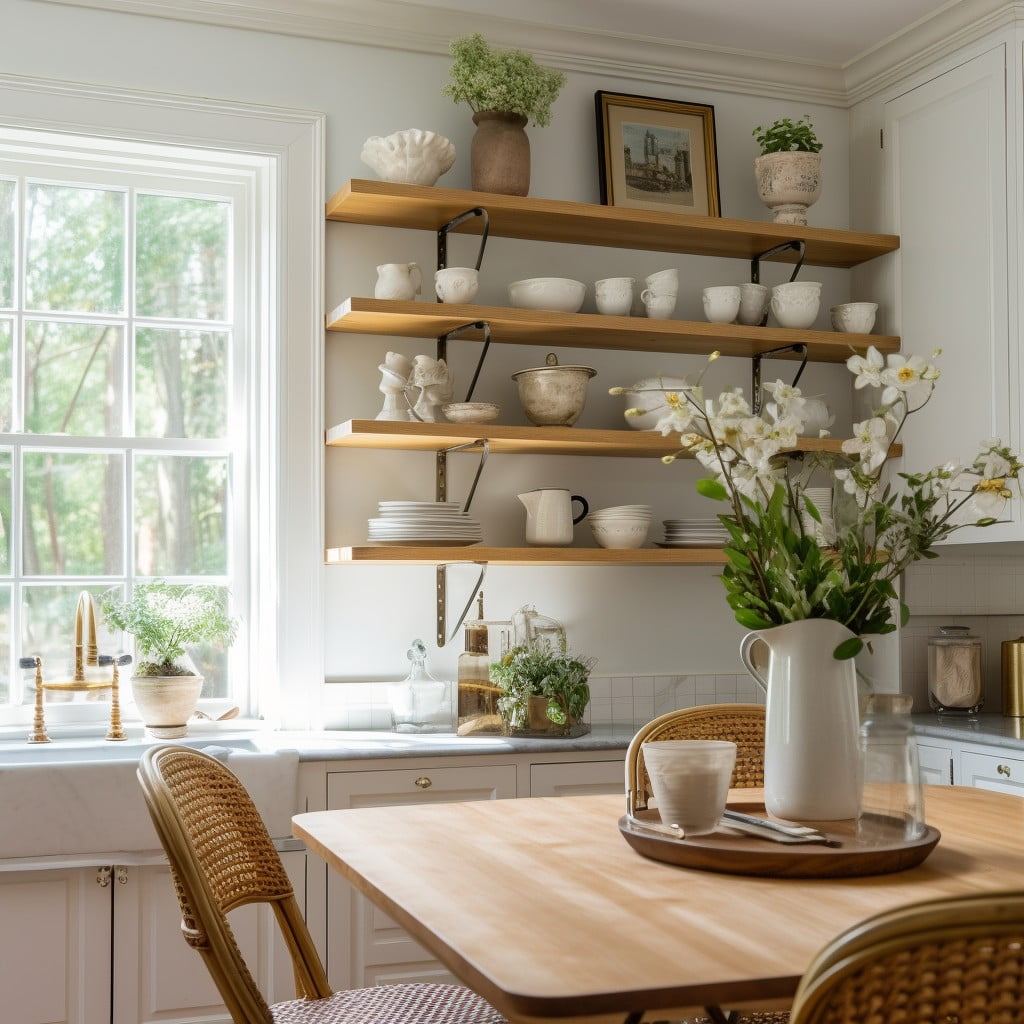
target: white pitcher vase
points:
(811, 733)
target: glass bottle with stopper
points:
(421, 703)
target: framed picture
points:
(657, 154)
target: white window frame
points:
(283, 152)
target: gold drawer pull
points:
(423, 782)
(1003, 769)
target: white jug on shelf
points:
(400, 281)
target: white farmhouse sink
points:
(84, 798)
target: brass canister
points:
(1013, 677)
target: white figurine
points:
(395, 373)
(436, 385)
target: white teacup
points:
(754, 299)
(456, 284)
(721, 303)
(614, 295)
(663, 281)
(690, 780)
(795, 304)
(659, 306)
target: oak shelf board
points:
(362, 201)
(357, 315)
(478, 553)
(408, 436)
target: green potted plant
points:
(166, 620)
(544, 690)
(788, 171)
(505, 89)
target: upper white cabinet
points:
(950, 157)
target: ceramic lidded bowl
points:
(854, 317)
(410, 157)
(553, 395)
(556, 294)
(795, 304)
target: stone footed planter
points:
(500, 153)
(166, 703)
(787, 183)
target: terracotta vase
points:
(166, 703)
(787, 183)
(811, 745)
(500, 153)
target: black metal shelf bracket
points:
(755, 263)
(441, 581)
(442, 349)
(442, 236)
(755, 370)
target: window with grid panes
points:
(124, 400)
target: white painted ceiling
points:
(830, 32)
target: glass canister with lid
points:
(954, 671)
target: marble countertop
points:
(989, 729)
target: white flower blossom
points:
(867, 369)
(870, 442)
(907, 378)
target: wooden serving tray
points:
(735, 854)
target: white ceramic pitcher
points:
(811, 753)
(549, 519)
(399, 281)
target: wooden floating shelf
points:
(556, 220)
(593, 330)
(521, 440)
(395, 555)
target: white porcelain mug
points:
(614, 295)
(659, 306)
(456, 284)
(754, 299)
(663, 281)
(721, 303)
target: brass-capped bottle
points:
(478, 696)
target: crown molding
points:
(400, 25)
(956, 25)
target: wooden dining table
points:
(541, 906)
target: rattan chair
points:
(222, 858)
(741, 723)
(949, 960)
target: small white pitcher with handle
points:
(811, 751)
(549, 518)
(399, 281)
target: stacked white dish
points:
(437, 523)
(693, 533)
(621, 526)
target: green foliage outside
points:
(166, 620)
(786, 135)
(506, 80)
(542, 671)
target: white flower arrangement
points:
(777, 572)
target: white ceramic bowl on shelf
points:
(854, 317)
(622, 534)
(410, 157)
(795, 304)
(471, 412)
(555, 294)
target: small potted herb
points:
(166, 620)
(788, 171)
(544, 690)
(505, 89)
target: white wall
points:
(635, 621)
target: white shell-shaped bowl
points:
(410, 157)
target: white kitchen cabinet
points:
(364, 946)
(97, 944)
(577, 778)
(936, 764)
(992, 771)
(948, 144)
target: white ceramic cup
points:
(614, 295)
(658, 306)
(456, 284)
(663, 281)
(754, 299)
(854, 317)
(690, 780)
(795, 303)
(721, 303)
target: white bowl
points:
(721, 303)
(619, 535)
(557, 294)
(854, 317)
(471, 412)
(795, 304)
(411, 157)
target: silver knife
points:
(778, 826)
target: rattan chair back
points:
(222, 858)
(950, 960)
(741, 723)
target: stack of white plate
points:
(621, 526)
(693, 533)
(437, 523)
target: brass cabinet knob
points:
(423, 782)
(1003, 769)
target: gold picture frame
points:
(657, 154)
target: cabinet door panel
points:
(577, 778)
(364, 946)
(936, 764)
(55, 947)
(992, 771)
